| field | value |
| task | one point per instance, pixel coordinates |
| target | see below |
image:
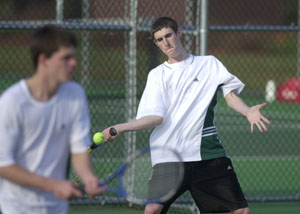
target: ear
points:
(41, 59)
(179, 32)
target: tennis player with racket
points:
(179, 102)
(43, 119)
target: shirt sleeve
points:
(9, 131)
(80, 133)
(227, 81)
(152, 101)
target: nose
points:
(73, 62)
(165, 41)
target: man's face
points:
(61, 65)
(168, 42)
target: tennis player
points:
(179, 102)
(44, 119)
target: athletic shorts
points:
(213, 185)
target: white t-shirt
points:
(181, 93)
(39, 136)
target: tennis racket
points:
(131, 179)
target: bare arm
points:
(251, 113)
(143, 123)
(83, 167)
(62, 189)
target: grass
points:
(275, 207)
(105, 210)
(288, 207)
(262, 178)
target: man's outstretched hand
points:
(256, 118)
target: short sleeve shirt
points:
(181, 94)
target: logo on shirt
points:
(229, 167)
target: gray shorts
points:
(213, 185)
(165, 180)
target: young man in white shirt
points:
(179, 102)
(44, 121)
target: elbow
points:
(149, 122)
(160, 120)
(230, 99)
(157, 121)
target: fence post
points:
(298, 72)
(130, 137)
(59, 11)
(203, 27)
(188, 42)
(85, 44)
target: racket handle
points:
(91, 147)
(113, 131)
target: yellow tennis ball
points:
(98, 138)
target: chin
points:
(69, 76)
(66, 79)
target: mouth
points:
(70, 73)
(170, 50)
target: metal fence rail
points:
(116, 54)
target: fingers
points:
(255, 117)
(93, 188)
(266, 120)
(260, 125)
(263, 105)
(76, 193)
(264, 127)
(108, 136)
(66, 190)
(95, 191)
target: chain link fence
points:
(257, 40)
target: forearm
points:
(83, 166)
(21, 176)
(251, 113)
(146, 122)
(236, 103)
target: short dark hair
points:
(49, 39)
(163, 22)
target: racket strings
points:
(141, 184)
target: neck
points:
(41, 89)
(184, 55)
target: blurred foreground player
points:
(43, 121)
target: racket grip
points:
(93, 146)
(113, 131)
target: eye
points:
(67, 57)
(168, 35)
(159, 39)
